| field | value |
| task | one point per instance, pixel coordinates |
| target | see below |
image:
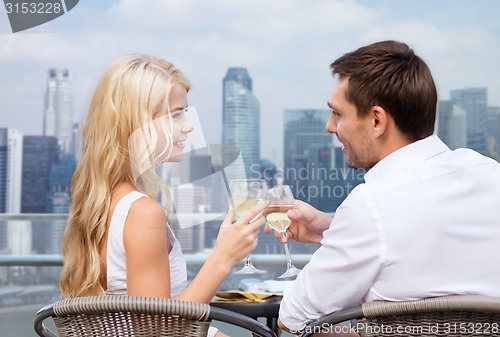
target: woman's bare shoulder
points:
(145, 231)
(147, 212)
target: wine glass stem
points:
(248, 261)
(287, 252)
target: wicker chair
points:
(122, 316)
(455, 315)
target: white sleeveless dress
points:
(116, 260)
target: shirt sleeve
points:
(212, 331)
(342, 270)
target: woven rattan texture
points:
(443, 303)
(451, 324)
(455, 315)
(116, 316)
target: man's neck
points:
(393, 142)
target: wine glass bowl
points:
(243, 195)
(281, 200)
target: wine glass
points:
(243, 195)
(280, 201)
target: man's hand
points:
(308, 224)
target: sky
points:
(286, 45)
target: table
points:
(269, 310)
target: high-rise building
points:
(11, 143)
(58, 112)
(321, 184)
(3, 186)
(59, 200)
(305, 133)
(4, 142)
(314, 168)
(452, 125)
(39, 153)
(474, 101)
(60, 175)
(15, 163)
(19, 237)
(304, 128)
(238, 75)
(3, 239)
(269, 172)
(241, 119)
(494, 132)
(77, 141)
(183, 197)
(11, 147)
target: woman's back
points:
(114, 254)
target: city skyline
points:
(468, 110)
(287, 46)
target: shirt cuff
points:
(212, 331)
(286, 313)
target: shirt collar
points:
(414, 152)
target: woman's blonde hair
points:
(119, 146)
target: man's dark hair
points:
(389, 74)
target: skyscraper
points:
(269, 172)
(304, 128)
(3, 169)
(452, 125)
(77, 141)
(15, 163)
(39, 153)
(238, 75)
(11, 143)
(321, 184)
(59, 200)
(183, 198)
(19, 237)
(494, 132)
(58, 112)
(474, 101)
(313, 167)
(305, 134)
(241, 118)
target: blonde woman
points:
(117, 240)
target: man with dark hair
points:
(425, 223)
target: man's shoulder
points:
(463, 158)
(357, 197)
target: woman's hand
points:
(236, 241)
(308, 224)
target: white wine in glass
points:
(277, 217)
(243, 195)
(240, 206)
(280, 202)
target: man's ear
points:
(379, 120)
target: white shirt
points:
(426, 223)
